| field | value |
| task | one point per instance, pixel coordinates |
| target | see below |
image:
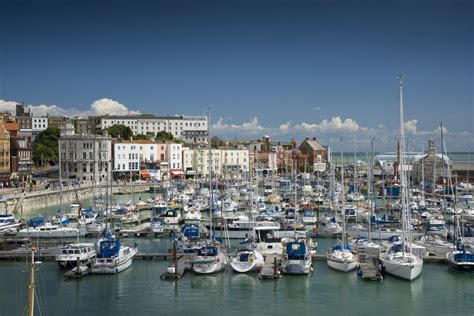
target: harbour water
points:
(140, 291)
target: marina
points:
(238, 157)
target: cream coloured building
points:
(227, 163)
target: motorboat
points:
(435, 245)
(49, 230)
(296, 257)
(460, 260)
(84, 253)
(309, 216)
(112, 257)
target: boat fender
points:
(315, 229)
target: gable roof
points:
(313, 144)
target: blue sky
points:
(285, 68)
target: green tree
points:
(119, 130)
(216, 142)
(45, 146)
(141, 137)
(164, 136)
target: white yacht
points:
(49, 230)
(435, 245)
(267, 239)
(70, 254)
(210, 259)
(247, 260)
(399, 260)
(112, 257)
(7, 222)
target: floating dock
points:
(271, 269)
(369, 267)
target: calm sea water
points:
(363, 156)
(140, 291)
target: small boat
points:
(342, 259)
(309, 216)
(247, 260)
(435, 245)
(189, 238)
(8, 223)
(461, 260)
(296, 257)
(112, 257)
(78, 272)
(332, 227)
(157, 226)
(171, 216)
(71, 255)
(209, 259)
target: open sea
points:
(140, 291)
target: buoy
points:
(315, 229)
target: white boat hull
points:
(116, 266)
(409, 268)
(208, 265)
(343, 262)
(248, 266)
(297, 266)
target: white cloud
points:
(335, 124)
(317, 108)
(108, 106)
(99, 107)
(411, 128)
(252, 127)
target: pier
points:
(271, 269)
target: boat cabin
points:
(108, 248)
(296, 250)
(208, 251)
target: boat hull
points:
(114, 267)
(296, 266)
(248, 266)
(343, 266)
(403, 269)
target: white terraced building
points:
(190, 129)
(226, 163)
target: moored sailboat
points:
(399, 261)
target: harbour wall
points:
(22, 203)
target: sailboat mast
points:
(403, 185)
(210, 170)
(343, 200)
(32, 285)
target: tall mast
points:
(32, 285)
(60, 178)
(211, 198)
(403, 185)
(343, 201)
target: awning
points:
(177, 173)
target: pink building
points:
(162, 152)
